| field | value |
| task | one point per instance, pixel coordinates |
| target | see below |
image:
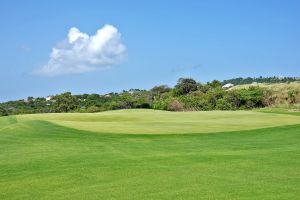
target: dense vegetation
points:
(187, 94)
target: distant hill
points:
(249, 80)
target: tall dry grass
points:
(279, 94)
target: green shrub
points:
(93, 109)
(213, 96)
(191, 102)
(251, 98)
(222, 104)
(233, 97)
(3, 112)
(161, 104)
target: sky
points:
(50, 47)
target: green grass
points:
(279, 111)
(43, 160)
(158, 122)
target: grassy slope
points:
(280, 93)
(156, 122)
(41, 160)
(274, 86)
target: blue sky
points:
(162, 40)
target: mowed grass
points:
(163, 122)
(43, 160)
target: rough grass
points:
(162, 122)
(42, 160)
(274, 86)
(279, 92)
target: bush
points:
(268, 98)
(251, 98)
(93, 109)
(191, 102)
(175, 105)
(160, 105)
(214, 95)
(3, 112)
(198, 93)
(292, 96)
(143, 105)
(233, 98)
(163, 102)
(222, 104)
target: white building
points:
(227, 86)
(49, 98)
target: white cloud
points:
(82, 53)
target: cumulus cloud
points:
(81, 52)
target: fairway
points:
(146, 154)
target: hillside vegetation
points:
(268, 80)
(279, 94)
(187, 95)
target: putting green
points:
(163, 122)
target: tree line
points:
(249, 80)
(186, 95)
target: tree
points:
(65, 102)
(157, 91)
(215, 84)
(185, 86)
(30, 99)
(92, 100)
